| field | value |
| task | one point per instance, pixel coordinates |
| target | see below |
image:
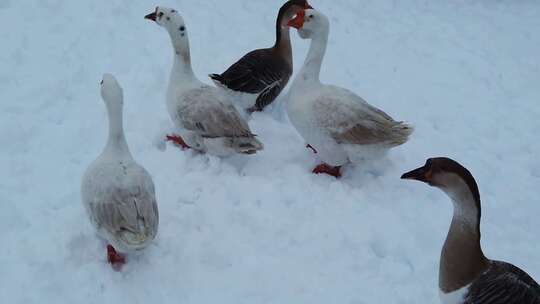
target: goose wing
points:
(351, 120)
(259, 72)
(504, 283)
(127, 211)
(205, 113)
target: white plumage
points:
(456, 297)
(118, 193)
(340, 125)
(205, 117)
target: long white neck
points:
(312, 66)
(116, 144)
(182, 69)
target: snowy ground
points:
(263, 229)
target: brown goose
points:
(264, 73)
(466, 276)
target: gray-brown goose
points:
(466, 276)
(264, 73)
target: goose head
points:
(452, 178)
(310, 23)
(112, 92)
(175, 25)
(293, 7)
(168, 18)
(171, 20)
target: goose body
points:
(261, 75)
(501, 283)
(204, 115)
(117, 192)
(466, 276)
(338, 124)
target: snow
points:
(262, 229)
(454, 297)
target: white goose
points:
(207, 120)
(339, 125)
(119, 194)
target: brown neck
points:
(283, 39)
(462, 259)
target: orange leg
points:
(327, 169)
(179, 141)
(114, 258)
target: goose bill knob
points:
(298, 21)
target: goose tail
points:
(246, 145)
(400, 133)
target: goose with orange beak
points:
(338, 124)
(259, 77)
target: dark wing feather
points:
(271, 92)
(261, 72)
(504, 283)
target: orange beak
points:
(298, 21)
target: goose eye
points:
(311, 16)
(182, 28)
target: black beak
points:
(152, 16)
(420, 174)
